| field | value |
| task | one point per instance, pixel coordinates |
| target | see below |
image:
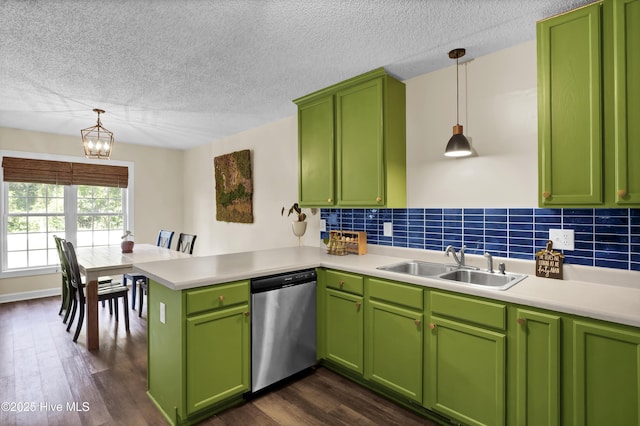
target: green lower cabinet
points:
(198, 349)
(217, 357)
(536, 359)
(467, 367)
(394, 348)
(605, 382)
(465, 358)
(344, 327)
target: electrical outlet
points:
(163, 317)
(563, 239)
(388, 229)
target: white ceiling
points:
(182, 73)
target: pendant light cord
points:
(457, 95)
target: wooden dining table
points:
(103, 261)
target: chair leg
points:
(133, 291)
(110, 306)
(80, 321)
(64, 303)
(115, 307)
(125, 308)
(74, 308)
(141, 302)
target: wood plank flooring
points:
(48, 380)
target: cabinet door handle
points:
(378, 199)
(417, 322)
(546, 194)
(432, 326)
(358, 304)
(221, 298)
(341, 283)
(329, 200)
(622, 193)
(246, 314)
(521, 321)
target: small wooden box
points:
(345, 242)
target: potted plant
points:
(299, 226)
(127, 242)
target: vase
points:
(127, 246)
(299, 228)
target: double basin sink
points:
(460, 274)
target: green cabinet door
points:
(360, 145)
(394, 348)
(570, 116)
(537, 361)
(316, 152)
(217, 356)
(466, 372)
(344, 322)
(606, 374)
(626, 69)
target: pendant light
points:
(458, 145)
(97, 140)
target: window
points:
(86, 215)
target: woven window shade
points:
(63, 173)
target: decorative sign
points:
(549, 262)
(234, 187)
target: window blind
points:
(63, 173)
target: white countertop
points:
(615, 298)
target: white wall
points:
(274, 157)
(498, 109)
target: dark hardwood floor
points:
(46, 379)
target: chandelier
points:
(97, 140)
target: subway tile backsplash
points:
(608, 238)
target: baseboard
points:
(28, 295)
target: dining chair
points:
(78, 300)
(65, 305)
(164, 240)
(185, 245)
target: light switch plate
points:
(563, 239)
(388, 229)
(323, 225)
(163, 318)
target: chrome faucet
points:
(489, 258)
(460, 260)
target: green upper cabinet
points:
(316, 154)
(589, 147)
(570, 124)
(626, 125)
(352, 144)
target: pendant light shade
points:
(458, 145)
(97, 140)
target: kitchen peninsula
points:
(199, 329)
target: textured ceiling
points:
(182, 73)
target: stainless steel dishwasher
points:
(283, 326)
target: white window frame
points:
(70, 208)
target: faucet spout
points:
(489, 258)
(451, 250)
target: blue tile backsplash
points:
(608, 238)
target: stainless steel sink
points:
(419, 268)
(464, 275)
(493, 280)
